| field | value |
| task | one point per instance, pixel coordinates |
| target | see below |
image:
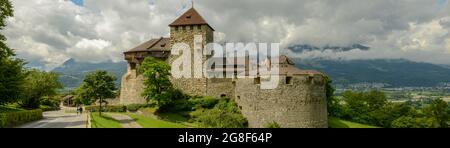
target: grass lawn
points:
(337, 123)
(177, 118)
(104, 121)
(149, 122)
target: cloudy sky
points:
(48, 32)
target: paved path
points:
(59, 119)
(126, 121)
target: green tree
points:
(38, 84)
(355, 106)
(98, 86)
(412, 122)
(11, 79)
(375, 99)
(81, 97)
(157, 83)
(390, 112)
(439, 111)
(359, 105)
(6, 10)
(11, 70)
(333, 104)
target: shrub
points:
(109, 108)
(12, 119)
(48, 101)
(272, 124)
(225, 114)
(203, 102)
(135, 107)
(46, 108)
(177, 106)
(191, 104)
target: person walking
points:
(78, 109)
(81, 110)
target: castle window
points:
(223, 96)
(199, 27)
(288, 80)
(132, 66)
(239, 97)
(257, 80)
(180, 28)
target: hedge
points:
(136, 107)
(12, 119)
(109, 108)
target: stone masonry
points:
(298, 102)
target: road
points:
(59, 119)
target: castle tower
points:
(299, 101)
(183, 30)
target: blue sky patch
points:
(442, 3)
(78, 2)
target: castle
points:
(299, 101)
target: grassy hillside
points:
(337, 123)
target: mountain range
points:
(71, 73)
(391, 72)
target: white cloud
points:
(448, 46)
(49, 31)
(422, 36)
(96, 50)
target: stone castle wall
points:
(217, 87)
(132, 85)
(193, 87)
(185, 34)
(301, 104)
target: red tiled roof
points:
(190, 17)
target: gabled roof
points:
(161, 44)
(283, 59)
(190, 17)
